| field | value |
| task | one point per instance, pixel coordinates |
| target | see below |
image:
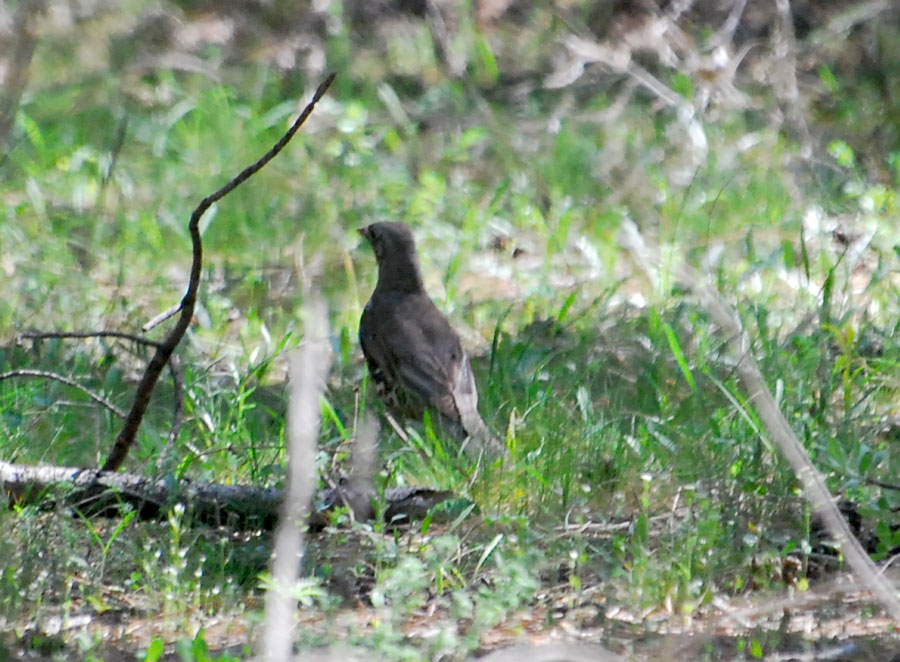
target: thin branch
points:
(362, 486)
(68, 381)
(882, 484)
(443, 41)
(127, 435)
(162, 317)
(840, 23)
(788, 89)
(725, 33)
(40, 335)
(175, 371)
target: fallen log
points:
(237, 506)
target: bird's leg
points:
(397, 427)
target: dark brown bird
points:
(415, 358)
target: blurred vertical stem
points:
(17, 72)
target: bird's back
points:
(412, 349)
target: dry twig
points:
(68, 381)
(40, 335)
(127, 435)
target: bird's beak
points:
(364, 232)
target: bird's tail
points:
(480, 438)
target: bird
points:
(414, 356)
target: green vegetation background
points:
(609, 387)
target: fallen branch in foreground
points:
(238, 506)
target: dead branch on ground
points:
(239, 506)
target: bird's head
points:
(395, 251)
(390, 241)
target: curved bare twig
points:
(127, 435)
(175, 371)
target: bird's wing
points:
(413, 344)
(434, 378)
(409, 344)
